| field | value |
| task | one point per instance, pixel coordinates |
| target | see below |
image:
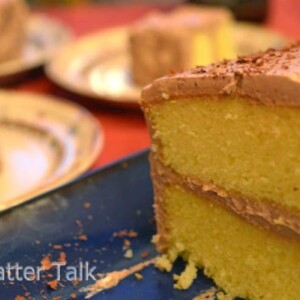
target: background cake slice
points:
(13, 18)
(226, 171)
(178, 40)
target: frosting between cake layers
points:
(264, 214)
(270, 78)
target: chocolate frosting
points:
(264, 214)
(270, 78)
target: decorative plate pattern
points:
(43, 144)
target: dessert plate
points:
(44, 37)
(115, 198)
(97, 66)
(43, 144)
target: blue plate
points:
(120, 197)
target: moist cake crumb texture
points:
(226, 172)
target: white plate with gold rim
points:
(44, 142)
(44, 37)
(98, 66)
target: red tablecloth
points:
(125, 131)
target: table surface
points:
(125, 130)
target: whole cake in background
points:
(181, 39)
(13, 18)
(226, 172)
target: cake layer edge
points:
(264, 214)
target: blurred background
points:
(254, 10)
(283, 15)
(93, 71)
(250, 10)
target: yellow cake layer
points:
(239, 146)
(212, 45)
(202, 50)
(224, 42)
(242, 259)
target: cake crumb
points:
(144, 254)
(163, 263)
(87, 205)
(57, 247)
(46, 263)
(53, 284)
(76, 282)
(125, 233)
(62, 258)
(138, 276)
(126, 244)
(73, 296)
(128, 253)
(113, 278)
(209, 294)
(132, 234)
(82, 237)
(187, 277)
(120, 234)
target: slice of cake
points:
(184, 38)
(226, 171)
(13, 17)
